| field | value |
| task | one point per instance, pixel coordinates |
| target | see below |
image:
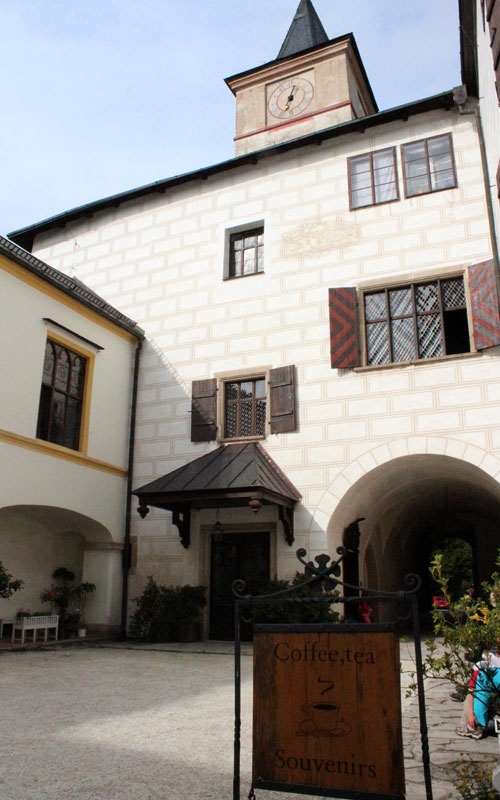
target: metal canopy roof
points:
(305, 31)
(242, 474)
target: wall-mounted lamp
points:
(255, 504)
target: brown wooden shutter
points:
(344, 341)
(282, 392)
(484, 298)
(204, 411)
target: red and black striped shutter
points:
(283, 417)
(484, 298)
(204, 411)
(344, 340)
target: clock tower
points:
(313, 84)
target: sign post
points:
(327, 711)
(327, 715)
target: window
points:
(415, 321)
(250, 406)
(428, 165)
(61, 397)
(422, 320)
(373, 178)
(244, 408)
(246, 252)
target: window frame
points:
(240, 231)
(415, 316)
(428, 172)
(237, 404)
(81, 437)
(373, 185)
(483, 317)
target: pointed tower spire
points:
(305, 31)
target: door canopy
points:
(242, 474)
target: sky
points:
(102, 96)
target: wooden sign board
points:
(327, 711)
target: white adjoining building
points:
(322, 323)
(68, 365)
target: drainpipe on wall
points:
(126, 539)
(488, 187)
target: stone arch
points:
(410, 493)
(35, 540)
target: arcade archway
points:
(412, 503)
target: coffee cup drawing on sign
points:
(322, 719)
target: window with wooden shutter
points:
(484, 300)
(282, 391)
(204, 411)
(416, 321)
(344, 340)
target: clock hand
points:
(290, 98)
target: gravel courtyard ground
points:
(124, 723)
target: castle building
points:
(322, 326)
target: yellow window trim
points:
(89, 357)
(56, 451)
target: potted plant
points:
(80, 594)
(61, 594)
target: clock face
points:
(290, 98)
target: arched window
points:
(60, 411)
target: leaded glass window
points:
(246, 253)
(428, 165)
(373, 178)
(245, 408)
(61, 397)
(418, 321)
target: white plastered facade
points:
(60, 507)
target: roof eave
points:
(25, 236)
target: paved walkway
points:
(155, 722)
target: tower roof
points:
(305, 31)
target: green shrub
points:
(161, 608)
(306, 604)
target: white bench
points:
(48, 625)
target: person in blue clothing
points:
(488, 682)
(477, 714)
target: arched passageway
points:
(35, 540)
(410, 504)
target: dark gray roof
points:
(25, 236)
(229, 475)
(305, 31)
(70, 286)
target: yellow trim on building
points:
(42, 286)
(89, 357)
(56, 451)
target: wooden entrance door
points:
(235, 555)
